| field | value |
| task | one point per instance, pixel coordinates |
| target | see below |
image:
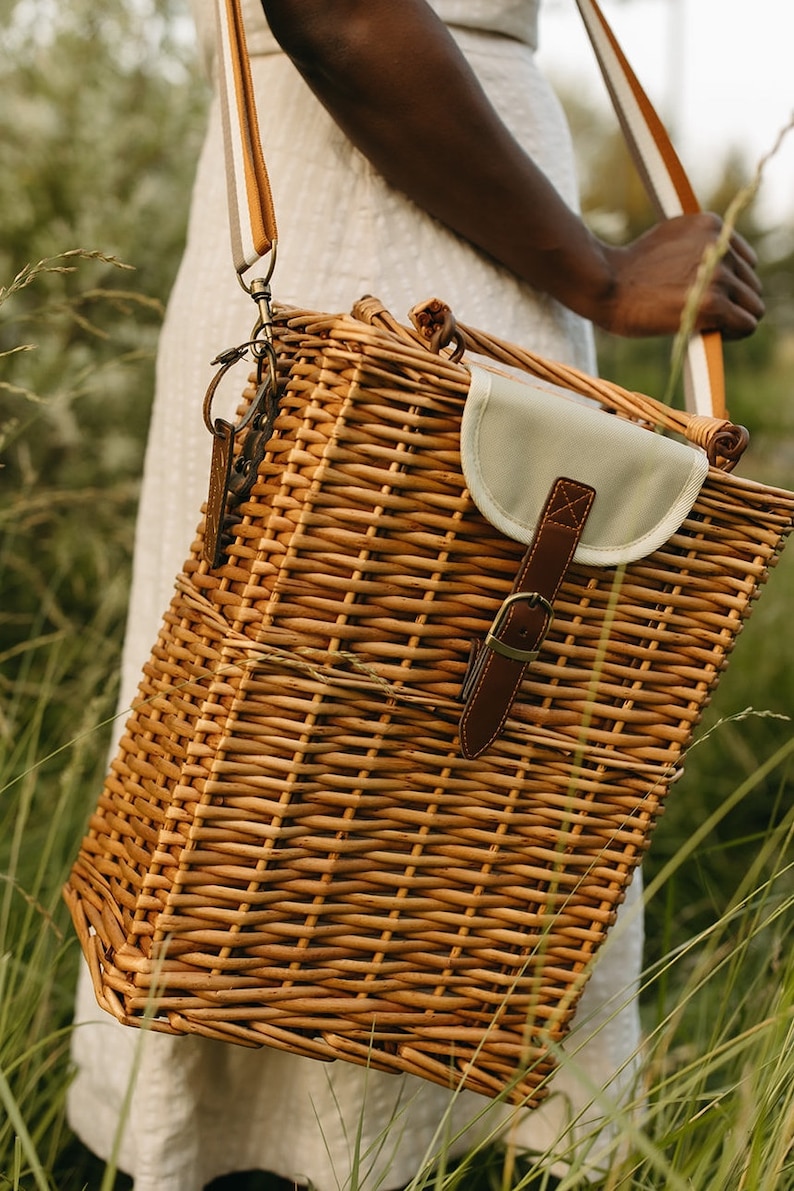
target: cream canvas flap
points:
(518, 436)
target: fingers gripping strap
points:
(667, 185)
(521, 624)
(252, 220)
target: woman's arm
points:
(394, 80)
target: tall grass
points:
(63, 557)
(100, 125)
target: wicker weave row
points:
(289, 848)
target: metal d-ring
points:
(266, 279)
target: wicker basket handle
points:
(252, 216)
(434, 324)
(723, 442)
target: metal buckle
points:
(533, 598)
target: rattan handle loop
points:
(371, 310)
(435, 325)
(723, 441)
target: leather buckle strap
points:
(493, 639)
(518, 631)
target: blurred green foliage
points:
(100, 128)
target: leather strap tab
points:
(521, 624)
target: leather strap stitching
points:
(567, 507)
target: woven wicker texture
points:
(289, 848)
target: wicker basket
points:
(290, 849)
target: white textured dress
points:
(200, 1109)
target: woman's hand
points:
(395, 81)
(653, 277)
